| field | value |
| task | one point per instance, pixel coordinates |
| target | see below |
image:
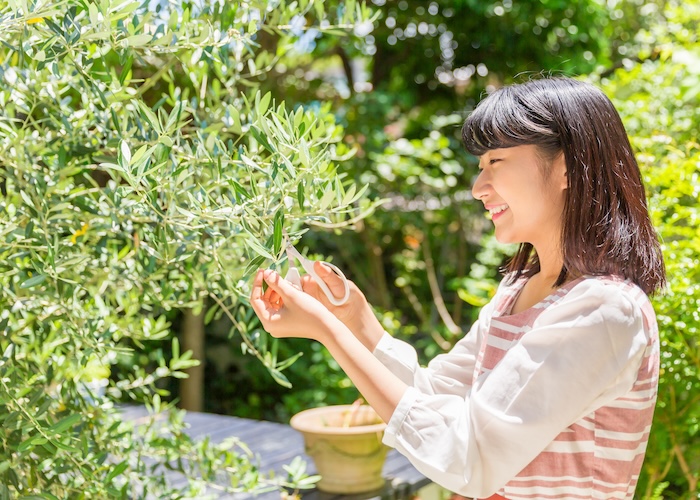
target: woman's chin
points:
(503, 237)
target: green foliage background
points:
(148, 165)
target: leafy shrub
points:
(142, 170)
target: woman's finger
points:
(256, 295)
(278, 284)
(335, 283)
(309, 285)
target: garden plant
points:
(143, 170)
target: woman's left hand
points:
(286, 311)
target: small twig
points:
(689, 476)
(435, 289)
(415, 302)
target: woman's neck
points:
(551, 263)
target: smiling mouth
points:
(497, 210)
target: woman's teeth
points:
(498, 209)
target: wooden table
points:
(275, 445)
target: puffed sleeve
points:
(449, 373)
(581, 353)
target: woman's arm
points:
(288, 312)
(447, 373)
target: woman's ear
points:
(559, 172)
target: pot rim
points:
(301, 423)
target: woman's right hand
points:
(356, 313)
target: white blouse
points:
(525, 404)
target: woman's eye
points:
(493, 160)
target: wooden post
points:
(192, 388)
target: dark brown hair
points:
(606, 227)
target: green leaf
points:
(35, 440)
(116, 471)
(263, 104)
(139, 154)
(262, 140)
(277, 231)
(349, 195)
(253, 266)
(304, 155)
(33, 281)
(125, 152)
(176, 348)
(65, 447)
(239, 189)
(280, 378)
(138, 40)
(27, 199)
(251, 163)
(252, 242)
(300, 194)
(148, 115)
(65, 423)
(283, 365)
(290, 168)
(210, 313)
(327, 198)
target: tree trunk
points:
(192, 388)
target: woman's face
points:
(525, 206)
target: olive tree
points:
(143, 169)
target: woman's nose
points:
(480, 186)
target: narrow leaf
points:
(264, 104)
(33, 281)
(300, 194)
(258, 248)
(65, 424)
(121, 467)
(138, 40)
(277, 231)
(126, 152)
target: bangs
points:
(507, 118)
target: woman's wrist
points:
(332, 329)
(370, 331)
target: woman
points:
(551, 394)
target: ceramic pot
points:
(345, 443)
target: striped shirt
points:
(552, 402)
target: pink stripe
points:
(543, 495)
(554, 464)
(573, 437)
(549, 483)
(625, 419)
